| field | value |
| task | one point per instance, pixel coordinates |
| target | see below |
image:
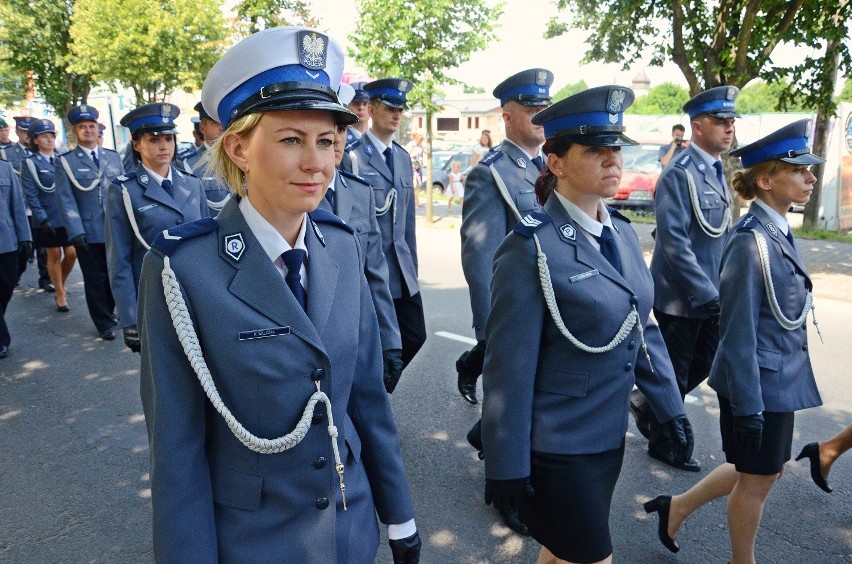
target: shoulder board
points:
(67, 152)
(684, 160)
(746, 223)
(400, 146)
(531, 222)
(354, 145)
(615, 213)
(347, 174)
(326, 217)
(492, 156)
(108, 150)
(123, 178)
(169, 239)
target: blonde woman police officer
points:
(271, 435)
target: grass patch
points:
(823, 235)
(639, 217)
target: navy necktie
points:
(329, 195)
(719, 175)
(167, 186)
(293, 260)
(608, 248)
(790, 236)
(51, 161)
(95, 158)
(539, 163)
(389, 159)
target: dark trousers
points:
(41, 258)
(412, 325)
(692, 344)
(99, 299)
(8, 280)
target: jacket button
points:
(628, 367)
(322, 503)
(805, 348)
(631, 345)
(318, 417)
(634, 300)
(317, 374)
(320, 462)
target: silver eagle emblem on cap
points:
(616, 101)
(731, 94)
(84, 109)
(541, 78)
(166, 110)
(403, 85)
(312, 50)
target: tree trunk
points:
(428, 161)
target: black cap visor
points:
(158, 130)
(803, 159)
(527, 100)
(596, 136)
(393, 102)
(721, 114)
(296, 96)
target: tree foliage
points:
(257, 15)
(13, 85)
(158, 47)
(569, 90)
(846, 94)
(663, 99)
(421, 40)
(761, 97)
(35, 38)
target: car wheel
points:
(438, 187)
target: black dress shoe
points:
(511, 519)
(641, 413)
(46, 286)
(63, 308)
(662, 504)
(107, 335)
(466, 382)
(690, 465)
(811, 450)
(4, 351)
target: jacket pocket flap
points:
(556, 381)
(770, 360)
(236, 489)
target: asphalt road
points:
(73, 449)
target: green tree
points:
(13, 85)
(256, 15)
(846, 94)
(569, 90)
(421, 40)
(161, 45)
(761, 97)
(473, 89)
(35, 38)
(663, 99)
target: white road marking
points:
(455, 337)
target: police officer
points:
(693, 212)
(351, 199)
(82, 184)
(38, 180)
(144, 202)
(498, 192)
(385, 165)
(762, 370)
(359, 105)
(5, 140)
(569, 333)
(215, 190)
(15, 153)
(15, 240)
(287, 332)
(101, 129)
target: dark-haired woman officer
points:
(568, 335)
(144, 202)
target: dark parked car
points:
(639, 177)
(441, 175)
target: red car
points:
(638, 178)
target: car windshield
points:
(641, 158)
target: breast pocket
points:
(526, 201)
(562, 382)
(712, 207)
(236, 489)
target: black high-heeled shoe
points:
(811, 450)
(662, 504)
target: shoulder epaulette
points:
(354, 145)
(492, 156)
(169, 239)
(684, 160)
(746, 223)
(531, 222)
(401, 147)
(123, 178)
(320, 215)
(615, 213)
(350, 175)
(108, 150)
(67, 152)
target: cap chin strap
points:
(709, 230)
(191, 347)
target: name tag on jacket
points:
(584, 275)
(263, 333)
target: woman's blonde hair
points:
(745, 181)
(221, 164)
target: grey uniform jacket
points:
(154, 211)
(685, 264)
(14, 226)
(397, 223)
(213, 498)
(487, 218)
(356, 206)
(759, 365)
(215, 190)
(82, 200)
(40, 190)
(15, 154)
(541, 392)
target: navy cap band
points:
(712, 107)
(150, 122)
(786, 148)
(524, 93)
(387, 93)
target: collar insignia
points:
(521, 162)
(701, 167)
(234, 246)
(143, 178)
(772, 229)
(569, 232)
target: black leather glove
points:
(407, 550)
(25, 248)
(48, 227)
(508, 494)
(392, 361)
(713, 308)
(80, 243)
(683, 442)
(131, 338)
(748, 432)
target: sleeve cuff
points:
(403, 531)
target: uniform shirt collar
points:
(521, 149)
(274, 245)
(591, 226)
(333, 180)
(705, 156)
(375, 140)
(157, 178)
(777, 218)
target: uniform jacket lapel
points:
(779, 239)
(517, 156)
(258, 283)
(342, 198)
(323, 271)
(180, 190)
(709, 174)
(376, 159)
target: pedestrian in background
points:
(481, 149)
(677, 146)
(762, 371)
(455, 188)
